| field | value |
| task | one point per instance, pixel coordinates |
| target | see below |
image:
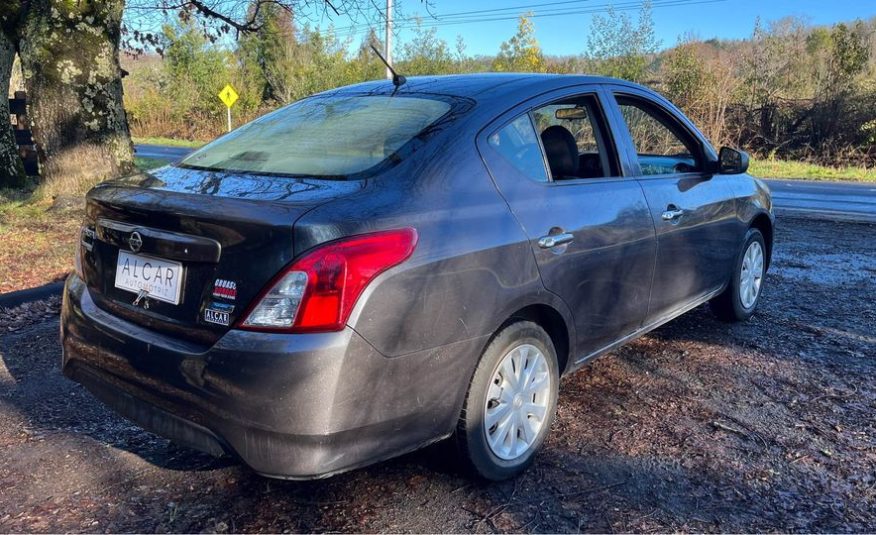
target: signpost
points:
(228, 96)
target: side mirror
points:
(732, 161)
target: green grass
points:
(168, 142)
(147, 164)
(809, 171)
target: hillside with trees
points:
(789, 91)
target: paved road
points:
(846, 200)
(161, 152)
(841, 200)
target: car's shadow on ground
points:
(84, 415)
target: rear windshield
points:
(332, 136)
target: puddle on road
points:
(825, 268)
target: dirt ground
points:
(700, 426)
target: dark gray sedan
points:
(376, 268)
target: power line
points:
(555, 12)
(485, 15)
(480, 11)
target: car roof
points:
(482, 86)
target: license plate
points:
(162, 279)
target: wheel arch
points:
(764, 224)
(553, 322)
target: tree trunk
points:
(70, 55)
(11, 168)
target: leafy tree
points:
(462, 62)
(849, 56)
(197, 71)
(619, 47)
(700, 77)
(772, 73)
(522, 52)
(426, 53)
(685, 75)
(368, 65)
(775, 61)
(324, 63)
(837, 104)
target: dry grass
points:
(38, 245)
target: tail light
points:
(318, 291)
(85, 243)
(77, 262)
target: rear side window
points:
(518, 145)
(662, 146)
(330, 137)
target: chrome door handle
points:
(546, 242)
(670, 215)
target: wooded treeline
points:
(789, 91)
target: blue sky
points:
(567, 33)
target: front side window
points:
(661, 145)
(518, 145)
(335, 136)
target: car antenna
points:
(397, 79)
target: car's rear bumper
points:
(290, 406)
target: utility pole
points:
(388, 40)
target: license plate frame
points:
(161, 278)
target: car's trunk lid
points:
(217, 237)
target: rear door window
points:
(579, 118)
(340, 136)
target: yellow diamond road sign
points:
(228, 95)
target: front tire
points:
(510, 404)
(739, 301)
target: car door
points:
(591, 235)
(692, 208)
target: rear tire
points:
(739, 301)
(514, 390)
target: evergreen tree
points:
(270, 54)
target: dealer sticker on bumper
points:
(218, 313)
